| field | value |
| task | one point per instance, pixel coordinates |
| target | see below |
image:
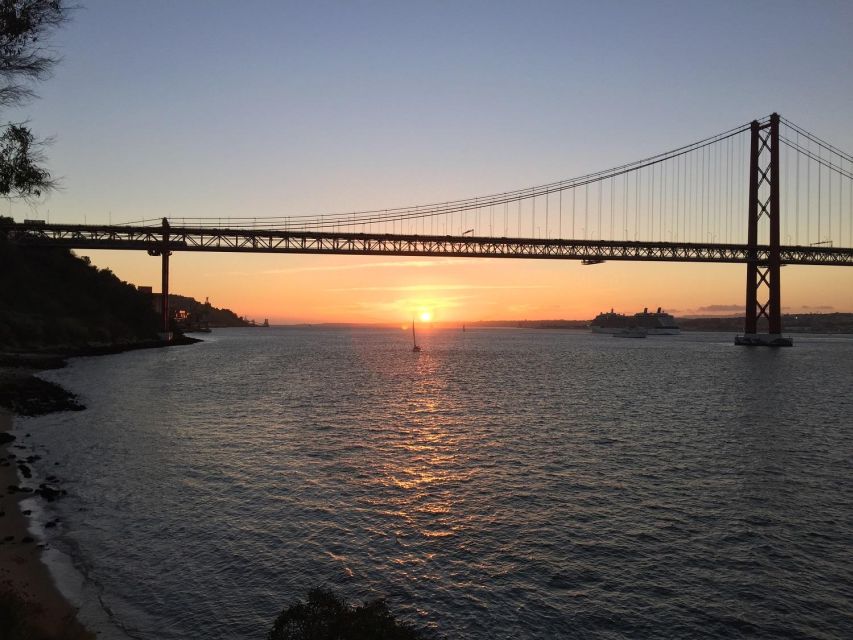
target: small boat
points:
(631, 332)
(415, 347)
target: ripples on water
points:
(500, 484)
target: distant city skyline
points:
(226, 109)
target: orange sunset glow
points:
(370, 289)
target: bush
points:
(327, 617)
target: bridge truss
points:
(154, 239)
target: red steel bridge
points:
(765, 194)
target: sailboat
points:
(415, 347)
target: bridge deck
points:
(278, 241)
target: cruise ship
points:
(658, 323)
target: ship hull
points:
(649, 330)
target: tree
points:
(24, 60)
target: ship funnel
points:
(645, 309)
(658, 309)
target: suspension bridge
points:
(764, 194)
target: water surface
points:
(500, 484)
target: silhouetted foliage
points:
(19, 171)
(51, 299)
(24, 60)
(327, 617)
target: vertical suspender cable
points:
(664, 189)
(533, 217)
(560, 225)
(625, 210)
(840, 201)
(783, 208)
(611, 235)
(574, 235)
(701, 195)
(708, 189)
(840, 198)
(797, 194)
(518, 231)
(652, 204)
(476, 224)
(841, 207)
(718, 209)
(666, 181)
(819, 187)
(677, 199)
(688, 206)
(729, 190)
(808, 194)
(712, 189)
(829, 199)
(600, 189)
(637, 206)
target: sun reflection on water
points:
(426, 463)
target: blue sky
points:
(277, 108)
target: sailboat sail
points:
(415, 346)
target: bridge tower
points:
(763, 301)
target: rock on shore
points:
(26, 395)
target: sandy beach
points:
(27, 590)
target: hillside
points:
(54, 300)
(214, 316)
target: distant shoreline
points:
(820, 323)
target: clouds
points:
(436, 288)
(719, 308)
(728, 309)
(430, 263)
(403, 307)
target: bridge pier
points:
(762, 275)
(164, 253)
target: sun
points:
(426, 316)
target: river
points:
(502, 483)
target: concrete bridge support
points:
(164, 253)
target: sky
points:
(250, 109)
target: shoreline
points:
(28, 593)
(31, 603)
